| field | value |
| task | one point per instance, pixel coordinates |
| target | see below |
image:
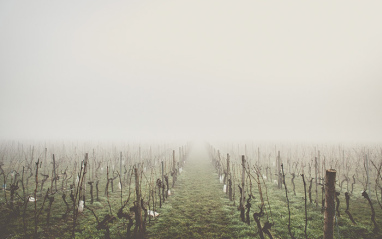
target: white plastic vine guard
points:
(152, 213)
(81, 206)
(221, 178)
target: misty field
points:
(98, 100)
(68, 190)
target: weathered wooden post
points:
(319, 164)
(227, 186)
(88, 170)
(219, 164)
(151, 155)
(162, 172)
(243, 177)
(279, 177)
(173, 169)
(138, 216)
(139, 154)
(233, 183)
(367, 174)
(54, 173)
(180, 156)
(94, 165)
(173, 161)
(246, 155)
(343, 161)
(46, 150)
(75, 176)
(330, 191)
(316, 175)
(319, 171)
(84, 180)
(242, 199)
(258, 156)
(120, 163)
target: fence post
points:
(279, 175)
(46, 150)
(316, 178)
(54, 173)
(120, 163)
(138, 217)
(367, 174)
(174, 174)
(243, 180)
(85, 171)
(162, 172)
(227, 175)
(330, 190)
(220, 164)
(258, 156)
(173, 161)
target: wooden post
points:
(94, 166)
(120, 172)
(89, 171)
(165, 164)
(233, 182)
(54, 173)
(120, 163)
(85, 171)
(162, 172)
(343, 160)
(246, 155)
(227, 186)
(138, 218)
(151, 155)
(243, 179)
(219, 160)
(367, 175)
(75, 176)
(173, 161)
(319, 166)
(258, 156)
(139, 154)
(279, 176)
(330, 191)
(180, 156)
(173, 169)
(316, 175)
(45, 160)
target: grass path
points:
(195, 210)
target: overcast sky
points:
(301, 70)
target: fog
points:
(235, 70)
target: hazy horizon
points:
(191, 70)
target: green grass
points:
(198, 208)
(359, 208)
